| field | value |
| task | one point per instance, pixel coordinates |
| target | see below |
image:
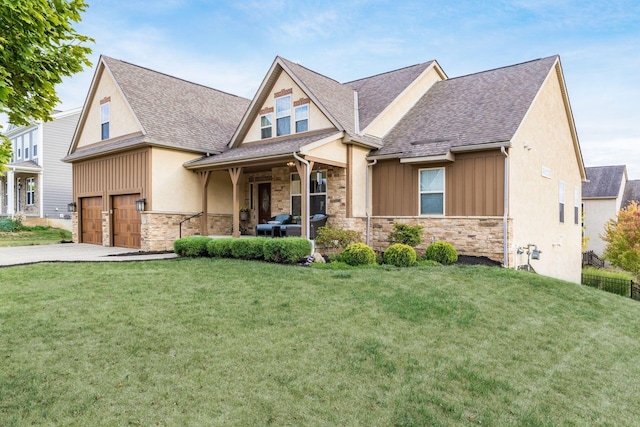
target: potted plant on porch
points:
(244, 213)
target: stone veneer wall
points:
(477, 236)
(74, 227)
(158, 231)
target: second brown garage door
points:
(126, 221)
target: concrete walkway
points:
(73, 252)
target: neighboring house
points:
(606, 191)
(37, 183)
(489, 162)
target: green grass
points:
(33, 236)
(228, 342)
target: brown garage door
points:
(91, 220)
(126, 221)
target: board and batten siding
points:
(123, 173)
(474, 186)
(56, 182)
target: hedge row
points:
(287, 250)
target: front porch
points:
(21, 190)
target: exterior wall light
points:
(291, 164)
(72, 207)
(140, 204)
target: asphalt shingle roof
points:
(176, 112)
(479, 108)
(631, 192)
(603, 181)
(375, 93)
(256, 151)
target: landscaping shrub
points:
(10, 225)
(406, 234)
(336, 237)
(194, 246)
(442, 252)
(358, 254)
(287, 250)
(220, 247)
(400, 255)
(250, 248)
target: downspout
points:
(505, 228)
(307, 199)
(366, 203)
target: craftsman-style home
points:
(489, 162)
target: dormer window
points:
(302, 118)
(283, 115)
(265, 126)
(104, 120)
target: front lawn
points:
(33, 236)
(228, 342)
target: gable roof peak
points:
(421, 64)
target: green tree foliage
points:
(622, 236)
(406, 234)
(38, 47)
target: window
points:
(27, 143)
(31, 191)
(265, 126)
(104, 120)
(576, 205)
(317, 196)
(283, 115)
(432, 191)
(561, 199)
(19, 145)
(302, 118)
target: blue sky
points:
(229, 45)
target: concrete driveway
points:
(72, 252)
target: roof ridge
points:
(388, 72)
(607, 166)
(173, 77)
(309, 69)
(503, 68)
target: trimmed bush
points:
(406, 234)
(250, 248)
(220, 247)
(194, 246)
(287, 250)
(336, 237)
(10, 225)
(400, 255)
(442, 252)
(358, 254)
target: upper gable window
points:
(283, 115)
(105, 116)
(561, 200)
(266, 123)
(302, 118)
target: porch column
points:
(305, 175)
(235, 175)
(204, 183)
(11, 195)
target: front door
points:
(264, 202)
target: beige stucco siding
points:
(317, 120)
(333, 151)
(176, 189)
(596, 214)
(544, 143)
(358, 181)
(405, 101)
(122, 120)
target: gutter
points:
(505, 228)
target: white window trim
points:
(295, 122)
(444, 195)
(108, 121)
(275, 122)
(33, 192)
(265, 127)
(561, 200)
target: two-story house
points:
(37, 183)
